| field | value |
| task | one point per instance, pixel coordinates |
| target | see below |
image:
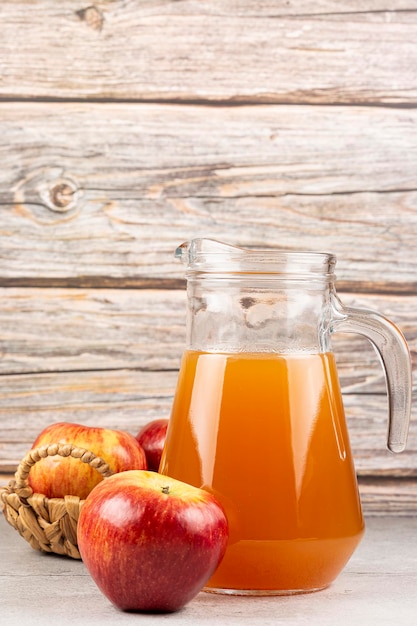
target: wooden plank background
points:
(127, 127)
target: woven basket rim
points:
(47, 524)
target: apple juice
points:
(266, 434)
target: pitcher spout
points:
(200, 251)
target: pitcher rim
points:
(205, 255)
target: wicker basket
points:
(47, 524)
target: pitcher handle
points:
(394, 354)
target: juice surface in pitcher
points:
(266, 434)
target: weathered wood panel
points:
(85, 189)
(123, 399)
(388, 496)
(59, 330)
(47, 330)
(251, 51)
(127, 399)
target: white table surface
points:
(378, 586)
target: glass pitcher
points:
(258, 417)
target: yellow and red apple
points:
(151, 542)
(56, 476)
(152, 439)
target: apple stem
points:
(165, 489)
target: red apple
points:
(56, 476)
(151, 542)
(152, 438)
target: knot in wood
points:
(48, 196)
(92, 16)
(62, 196)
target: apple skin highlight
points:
(151, 542)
